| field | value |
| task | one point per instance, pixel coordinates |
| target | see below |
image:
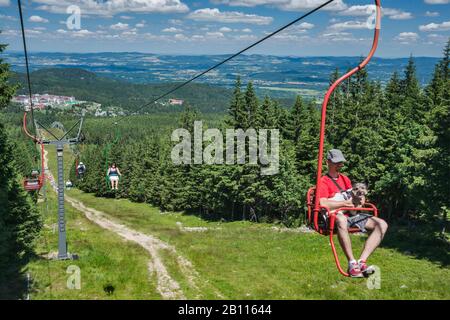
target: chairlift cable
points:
(231, 57)
(27, 67)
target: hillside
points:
(280, 77)
(253, 261)
(86, 85)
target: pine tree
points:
(267, 115)
(20, 222)
(296, 120)
(437, 91)
(410, 84)
(284, 122)
(306, 137)
(188, 117)
(236, 110)
(439, 123)
(359, 85)
(251, 107)
(413, 104)
(6, 90)
(394, 92)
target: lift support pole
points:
(63, 254)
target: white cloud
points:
(444, 26)
(302, 5)
(140, 25)
(225, 29)
(401, 16)
(129, 33)
(352, 25)
(289, 5)
(339, 37)
(126, 17)
(434, 38)
(176, 22)
(247, 30)
(358, 10)
(249, 3)
(9, 33)
(172, 29)
(4, 17)
(119, 26)
(305, 26)
(293, 32)
(197, 37)
(407, 37)
(286, 37)
(37, 19)
(245, 37)
(215, 34)
(4, 3)
(336, 34)
(432, 14)
(216, 15)
(180, 36)
(33, 32)
(437, 1)
(82, 33)
(369, 9)
(112, 7)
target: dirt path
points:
(166, 285)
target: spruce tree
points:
(296, 120)
(410, 84)
(251, 107)
(393, 92)
(413, 104)
(267, 115)
(236, 110)
(20, 222)
(6, 90)
(439, 123)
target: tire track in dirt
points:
(168, 287)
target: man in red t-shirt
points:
(335, 192)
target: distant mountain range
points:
(280, 77)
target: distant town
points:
(42, 101)
(45, 101)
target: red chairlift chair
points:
(37, 178)
(320, 217)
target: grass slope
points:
(124, 268)
(241, 260)
(252, 261)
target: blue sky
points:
(418, 27)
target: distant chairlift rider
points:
(113, 174)
(81, 170)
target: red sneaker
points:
(365, 269)
(354, 271)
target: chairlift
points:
(35, 180)
(320, 218)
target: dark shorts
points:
(358, 221)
